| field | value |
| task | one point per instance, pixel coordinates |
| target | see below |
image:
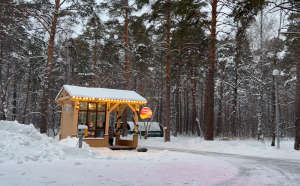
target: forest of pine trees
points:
(205, 66)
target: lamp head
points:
(275, 72)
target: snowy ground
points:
(29, 158)
(242, 147)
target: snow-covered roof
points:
(101, 93)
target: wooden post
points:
(120, 111)
(119, 119)
(136, 117)
(107, 118)
(62, 119)
(134, 108)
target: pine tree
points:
(124, 9)
(13, 55)
(49, 16)
(166, 13)
(294, 7)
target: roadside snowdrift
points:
(241, 147)
(23, 143)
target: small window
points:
(92, 120)
(92, 115)
(83, 106)
(92, 106)
(101, 106)
(101, 117)
(82, 117)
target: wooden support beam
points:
(115, 111)
(121, 110)
(131, 107)
(134, 108)
(136, 120)
(112, 108)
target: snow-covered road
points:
(253, 170)
(126, 168)
(156, 167)
(262, 171)
(29, 158)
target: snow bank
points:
(21, 143)
(247, 147)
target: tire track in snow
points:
(253, 170)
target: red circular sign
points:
(146, 113)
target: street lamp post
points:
(275, 74)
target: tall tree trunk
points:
(1, 60)
(4, 89)
(205, 104)
(177, 98)
(161, 100)
(185, 112)
(45, 99)
(127, 59)
(153, 99)
(187, 115)
(95, 63)
(286, 112)
(14, 113)
(194, 82)
(234, 108)
(219, 118)
(157, 104)
(260, 126)
(127, 67)
(191, 112)
(27, 93)
(297, 104)
(142, 85)
(3, 101)
(168, 91)
(180, 114)
(201, 119)
(201, 106)
(209, 133)
(226, 127)
(239, 118)
(273, 112)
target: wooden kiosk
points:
(92, 107)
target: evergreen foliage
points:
(163, 51)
